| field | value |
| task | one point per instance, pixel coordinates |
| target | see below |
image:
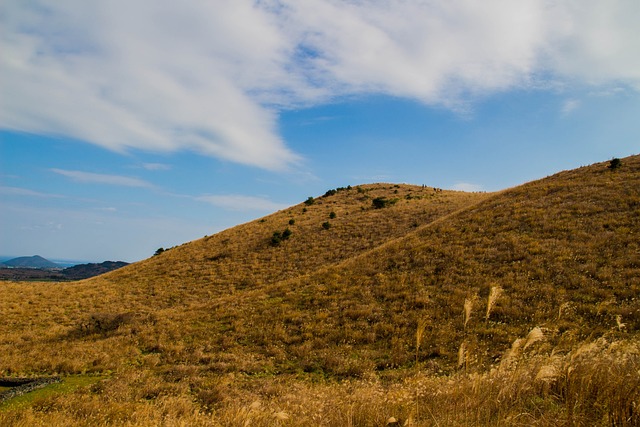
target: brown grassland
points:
(435, 308)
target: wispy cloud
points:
(242, 203)
(97, 178)
(17, 191)
(156, 166)
(569, 106)
(213, 76)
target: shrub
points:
(615, 163)
(337, 190)
(158, 251)
(310, 200)
(286, 234)
(382, 202)
(292, 221)
(103, 323)
(326, 225)
(277, 237)
(332, 215)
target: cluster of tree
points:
(337, 190)
(278, 237)
(382, 202)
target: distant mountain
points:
(35, 261)
(84, 271)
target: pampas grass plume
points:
(422, 325)
(534, 336)
(468, 307)
(495, 293)
(462, 354)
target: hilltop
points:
(367, 302)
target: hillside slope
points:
(561, 254)
(167, 288)
(245, 257)
(439, 283)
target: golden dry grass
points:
(360, 322)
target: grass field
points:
(429, 307)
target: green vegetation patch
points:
(67, 385)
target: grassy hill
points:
(433, 307)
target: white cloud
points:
(213, 76)
(425, 50)
(97, 178)
(144, 75)
(594, 41)
(242, 203)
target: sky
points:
(128, 126)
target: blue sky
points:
(127, 127)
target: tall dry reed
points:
(468, 308)
(422, 326)
(495, 293)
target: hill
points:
(433, 307)
(35, 261)
(76, 272)
(85, 271)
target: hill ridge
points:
(379, 248)
(311, 234)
